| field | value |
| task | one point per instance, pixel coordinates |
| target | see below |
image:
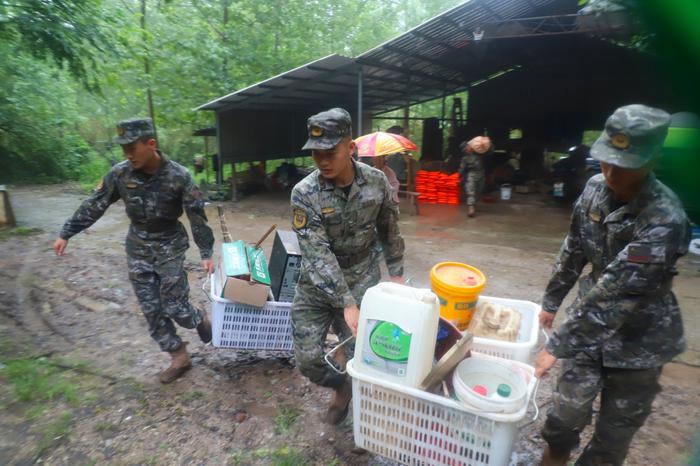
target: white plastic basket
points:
(524, 349)
(414, 427)
(240, 326)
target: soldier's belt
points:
(155, 227)
(348, 260)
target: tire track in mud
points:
(33, 309)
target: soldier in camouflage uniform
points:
(625, 323)
(343, 215)
(155, 190)
(472, 169)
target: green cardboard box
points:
(243, 274)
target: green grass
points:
(285, 418)
(35, 412)
(104, 426)
(55, 431)
(192, 396)
(153, 459)
(7, 233)
(44, 387)
(282, 456)
(35, 380)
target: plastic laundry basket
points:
(240, 326)
(414, 427)
(525, 347)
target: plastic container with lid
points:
(396, 333)
(457, 286)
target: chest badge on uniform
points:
(327, 210)
(300, 219)
(132, 185)
(595, 216)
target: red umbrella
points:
(381, 143)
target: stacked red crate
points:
(438, 187)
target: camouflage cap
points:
(130, 130)
(633, 136)
(326, 129)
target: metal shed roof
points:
(439, 57)
(330, 76)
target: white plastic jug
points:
(396, 333)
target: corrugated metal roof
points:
(439, 57)
(313, 81)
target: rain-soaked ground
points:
(78, 372)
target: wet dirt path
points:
(238, 408)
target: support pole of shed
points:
(406, 118)
(442, 115)
(359, 101)
(220, 152)
(206, 159)
(234, 183)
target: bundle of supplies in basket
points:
(244, 316)
(428, 391)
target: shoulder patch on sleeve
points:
(300, 219)
(639, 254)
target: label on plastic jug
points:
(387, 347)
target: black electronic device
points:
(285, 265)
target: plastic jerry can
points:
(396, 333)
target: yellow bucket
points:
(457, 286)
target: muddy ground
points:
(78, 371)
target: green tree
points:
(52, 51)
(67, 31)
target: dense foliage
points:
(69, 69)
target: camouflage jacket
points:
(625, 313)
(331, 225)
(471, 163)
(153, 204)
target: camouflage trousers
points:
(160, 283)
(310, 323)
(626, 398)
(473, 186)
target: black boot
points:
(204, 328)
